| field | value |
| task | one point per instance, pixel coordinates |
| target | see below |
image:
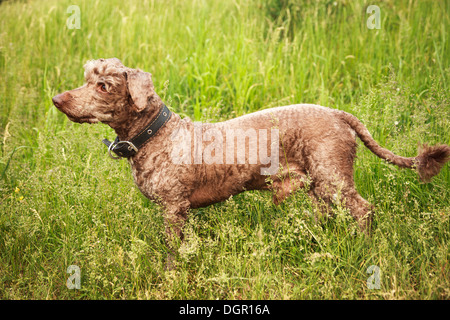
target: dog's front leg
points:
(174, 221)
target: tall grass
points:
(64, 202)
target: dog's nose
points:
(58, 100)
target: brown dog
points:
(183, 165)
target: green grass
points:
(64, 202)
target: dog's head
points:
(112, 94)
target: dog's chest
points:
(156, 179)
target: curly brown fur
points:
(316, 144)
(431, 160)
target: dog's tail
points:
(427, 164)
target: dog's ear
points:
(140, 87)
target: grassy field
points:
(64, 202)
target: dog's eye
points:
(102, 87)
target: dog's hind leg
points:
(331, 172)
(340, 191)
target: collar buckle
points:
(114, 145)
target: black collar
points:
(128, 149)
